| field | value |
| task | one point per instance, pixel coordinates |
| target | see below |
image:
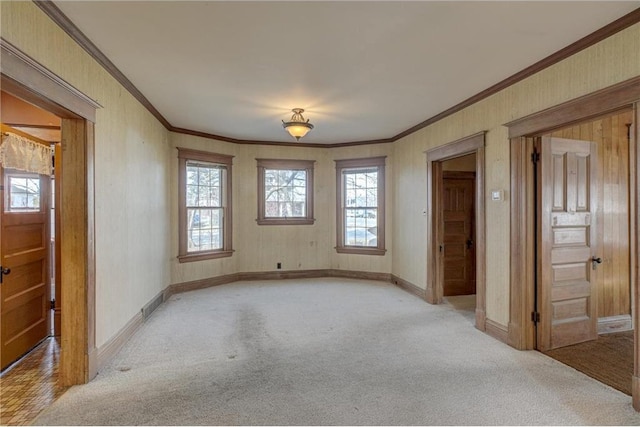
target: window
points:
(360, 206)
(285, 192)
(205, 205)
(23, 193)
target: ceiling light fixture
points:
(297, 126)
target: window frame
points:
(285, 164)
(185, 155)
(341, 167)
(18, 174)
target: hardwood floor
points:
(609, 359)
(30, 385)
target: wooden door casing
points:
(57, 310)
(25, 292)
(458, 233)
(567, 296)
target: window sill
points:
(360, 250)
(201, 256)
(288, 221)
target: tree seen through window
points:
(204, 206)
(361, 207)
(285, 193)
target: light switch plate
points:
(497, 195)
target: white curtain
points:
(17, 152)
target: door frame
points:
(623, 95)
(473, 144)
(22, 76)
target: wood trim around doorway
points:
(589, 106)
(35, 83)
(521, 331)
(434, 290)
(634, 204)
(25, 78)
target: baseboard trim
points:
(107, 351)
(152, 305)
(497, 331)
(408, 286)
(282, 275)
(199, 284)
(363, 275)
(272, 275)
(608, 325)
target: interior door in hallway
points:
(612, 136)
(25, 291)
(458, 234)
(567, 259)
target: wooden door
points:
(567, 225)
(24, 234)
(458, 233)
(612, 137)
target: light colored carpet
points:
(328, 352)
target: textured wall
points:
(611, 61)
(131, 172)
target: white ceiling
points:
(362, 70)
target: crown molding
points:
(282, 144)
(51, 10)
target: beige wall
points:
(131, 172)
(259, 247)
(136, 178)
(610, 61)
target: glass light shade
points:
(298, 130)
(298, 126)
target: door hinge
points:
(53, 304)
(535, 317)
(535, 157)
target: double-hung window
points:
(205, 205)
(285, 192)
(360, 206)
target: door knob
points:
(469, 243)
(4, 271)
(595, 261)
